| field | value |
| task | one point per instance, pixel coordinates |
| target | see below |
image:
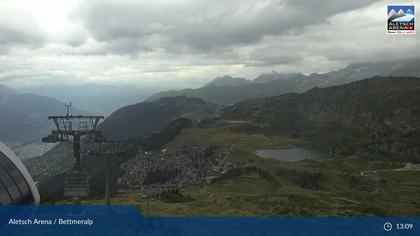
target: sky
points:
(186, 43)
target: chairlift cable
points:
(21, 145)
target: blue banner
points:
(127, 220)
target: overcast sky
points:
(186, 43)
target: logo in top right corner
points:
(401, 19)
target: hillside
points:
(149, 117)
(24, 116)
(228, 90)
(228, 94)
(377, 117)
(157, 140)
(353, 121)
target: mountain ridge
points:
(227, 80)
(138, 120)
(377, 117)
(274, 83)
(24, 116)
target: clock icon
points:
(387, 226)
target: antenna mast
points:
(68, 106)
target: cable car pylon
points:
(73, 127)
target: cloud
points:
(349, 37)
(18, 29)
(197, 26)
(185, 43)
(274, 54)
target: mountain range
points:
(102, 99)
(228, 81)
(24, 116)
(376, 117)
(228, 90)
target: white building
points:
(16, 184)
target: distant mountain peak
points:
(5, 90)
(269, 77)
(227, 80)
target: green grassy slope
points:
(341, 190)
